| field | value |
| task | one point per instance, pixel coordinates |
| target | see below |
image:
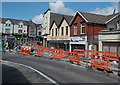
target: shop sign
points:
(77, 39)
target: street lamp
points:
(65, 45)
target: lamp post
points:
(65, 45)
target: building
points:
(17, 30)
(39, 33)
(49, 19)
(109, 39)
(32, 32)
(59, 35)
(46, 26)
(84, 30)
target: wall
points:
(59, 36)
(11, 27)
(32, 31)
(108, 38)
(90, 29)
(113, 24)
(46, 22)
(16, 28)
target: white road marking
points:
(51, 80)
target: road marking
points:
(51, 80)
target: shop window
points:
(113, 49)
(106, 48)
(119, 50)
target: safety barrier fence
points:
(96, 59)
(25, 51)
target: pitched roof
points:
(16, 21)
(57, 18)
(95, 18)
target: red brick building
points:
(84, 30)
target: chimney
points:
(30, 20)
(114, 11)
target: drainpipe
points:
(93, 39)
(87, 66)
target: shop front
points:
(109, 41)
(78, 42)
(59, 44)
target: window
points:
(62, 29)
(52, 32)
(39, 33)
(7, 30)
(111, 29)
(19, 31)
(106, 48)
(75, 29)
(82, 28)
(20, 26)
(119, 50)
(66, 30)
(56, 31)
(7, 25)
(113, 48)
(118, 25)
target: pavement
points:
(62, 72)
(15, 73)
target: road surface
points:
(61, 72)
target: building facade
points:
(59, 32)
(17, 30)
(84, 30)
(109, 39)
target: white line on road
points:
(51, 80)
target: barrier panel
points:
(73, 57)
(58, 54)
(40, 52)
(31, 43)
(113, 56)
(98, 60)
(25, 51)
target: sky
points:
(35, 10)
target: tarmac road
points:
(61, 72)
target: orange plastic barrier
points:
(73, 57)
(40, 52)
(99, 60)
(25, 51)
(31, 43)
(80, 52)
(58, 54)
(113, 56)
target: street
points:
(61, 72)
